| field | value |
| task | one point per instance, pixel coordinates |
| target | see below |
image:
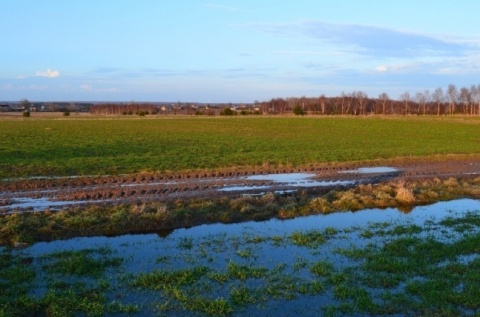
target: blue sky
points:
(234, 51)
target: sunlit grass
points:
(86, 147)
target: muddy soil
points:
(57, 192)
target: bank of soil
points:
(56, 192)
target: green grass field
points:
(73, 146)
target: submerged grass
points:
(65, 292)
(398, 269)
(88, 262)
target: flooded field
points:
(370, 262)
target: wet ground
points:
(37, 194)
(268, 245)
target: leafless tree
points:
(475, 95)
(383, 97)
(361, 98)
(452, 94)
(323, 101)
(438, 98)
(405, 97)
(349, 101)
(478, 99)
(422, 98)
(466, 99)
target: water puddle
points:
(289, 180)
(372, 170)
(39, 204)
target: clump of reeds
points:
(404, 195)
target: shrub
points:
(66, 113)
(227, 112)
(26, 114)
(298, 111)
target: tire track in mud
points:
(164, 187)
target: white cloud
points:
(381, 68)
(48, 73)
(85, 87)
(403, 67)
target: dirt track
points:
(51, 193)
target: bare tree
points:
(475, 97)
(361, 100)
(323, 101)
(428, 99)
(383, 97)
(478, 99)
(422, 98)
(342, 104)
(438, 98)
(346, 102)
(466, 99)
(405, 97)
(452, 95)
(349, 100)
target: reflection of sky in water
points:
(217, 245)
(290, 179)
(38, 204)
(282, 178)
(372, 170)
(273, 227)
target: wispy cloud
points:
(48, 73)
(399, 67)
(86, 87)
(90, 88)
(372, 40)
(118, 72)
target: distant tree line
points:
(448, 101)
(171, 109)
(123, 109)
(465, 101)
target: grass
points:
(45, 147)
(88, 262)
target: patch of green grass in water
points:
(62, 297)
(87, 262)
(311, 238)
(322, 268)
(161, 279)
